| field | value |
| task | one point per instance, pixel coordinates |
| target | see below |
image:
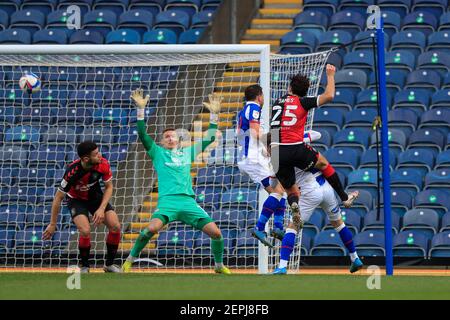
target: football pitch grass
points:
(166, 286)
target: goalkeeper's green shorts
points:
(181, 208)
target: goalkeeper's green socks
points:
(217, 249)
(141, 242)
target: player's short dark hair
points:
(299, 85)
(168, 129)
(252, 92)
(85, 148)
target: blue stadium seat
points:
(7, 235)
(430, 139)
(369, 159)
(313, 21)
(401, 7)
(101, 135)
(445, 222)
(343, 101)
(438, 118)
(86, 37)
(411, 243)
(176, 242)
(37, 116)
(211, 5)
(416, 100)
(110, 117)
(228, 219)
(351, 78)
(223, 156)
(434, 60)
(298, 42)
(8, 115)
(324, 142)
(116, 6)
(13, 155)
(176, 21)
(190, 7)
(368, 99)
(125, 36)
(332, 39)
(57, 20)
(8, 176)
(4, 20)
(215, 175)
(202, 243)
(440, 245)
(72, 116)
(363, 178)
(60, 134)
(50, 156)
(434, 7)
(49, 37)
(328, 243)
(443, 160)
(421, 21)
(160, 36)
(444, 22)
(407, 179)
(328, 118)
(356, 6)
(401, 200)
(314, 225)
(10, 6)
(395, 80)
(424, 79)
(410, 40)
(326, 7)
(424, 220)
(345, 159)
(437, 200)
(21, 195)
(191, 36)
(365, 40)
(335, 59)
(41, 217)
(22, 135)
(437, 179)
(61, 239)
(240, 179)
(12, 215)
(421, 160)
(440, 99)
(84, 5)
(364, 203)
(392, 22)
(208, 195)
(352, 22)
(138, 20)
(361, 118)
(352, 137)
(245, 197)
(439, 41)
(101, 21)
(400, 59)
(370, 243)
(15, 36)
(154, 6)
(246, 245)
(202, 19)
(44, 6)
(371, 221)
(30, 20)
(360, 59)
(351, 218)
(85, 98)
(403, 119)
(128, 135)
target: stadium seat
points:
(439, 41)
(345, 159)
(371, 221)
(85, 99)
(423, 79)
(15, 36)
(210, 5)
(13, 155)
(245, 197)
(403, 119)
(343, 101)
(48, 156)
(421, 21)
(75, 115)
(328, 243)
(416, 100)
(324, 142)
(392, 22)
(314, 225)
(176, 242)
(364, 202)
(101, 135)
(440, 99)
(400, 59)
(431, 139)
(437, 179)
(401, 200)
(351, 218)
(221, 156)
(424, 220)
(434, 60)
(436, 119)
(351, 78)
(22, 135)
(117, 153)
(101, 21)
(13, 216)
(246, 245)
(410, 40)
(370, 243)
(41, 217)
(298, 42)
(434, 7)
(138, 20)
(191, 36)
(49, 37)
(84, 5)
(326, 7)
(10, 6)
(208, 195)
(333, 39)
(125, 36)
(61, 239)
(229, 219)
(312, 21)
(411, 243)
(360, 6)
(86, 37)
(437, 200)
(8, 115)
(328, 118)
(369, 159)
(352, 137)
(368, 99)
(57, 20)
(116, 6)
(30, 20)
(365, 41)
(395, 80)
(443, 160)
(217, 175)
(361, 118)
(176, 21)
(401, 7)
(160, 36)
(364, 178)
(445, 222)
(4, 20)
(352, 22)
(202, 19)
(110, 117)
(202, 243)
(8, 176)
(154, 6)
(440, 245)
(190, 7)
(421, 160)
(359, 59)
(7, 235)
(407, 178)
(36, 116)
(61, 134)
(21, 195)
(44, 6)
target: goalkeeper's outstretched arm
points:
(137, 96)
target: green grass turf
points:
(206, 286)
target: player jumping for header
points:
(176, 199)
(288, 149)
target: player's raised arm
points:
(330, 89)
(137, 96)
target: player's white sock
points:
(283, 264)
(353, 256)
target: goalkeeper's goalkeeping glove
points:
(138, 98)
(214, 106)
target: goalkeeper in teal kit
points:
(176, 199)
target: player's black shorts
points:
(289, 157)
(83, 207)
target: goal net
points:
(85, 96)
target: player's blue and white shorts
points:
(259, 171)
(323, 197)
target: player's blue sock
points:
(269, 207)
(278, 217)
(346, 237)
(287, 245)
